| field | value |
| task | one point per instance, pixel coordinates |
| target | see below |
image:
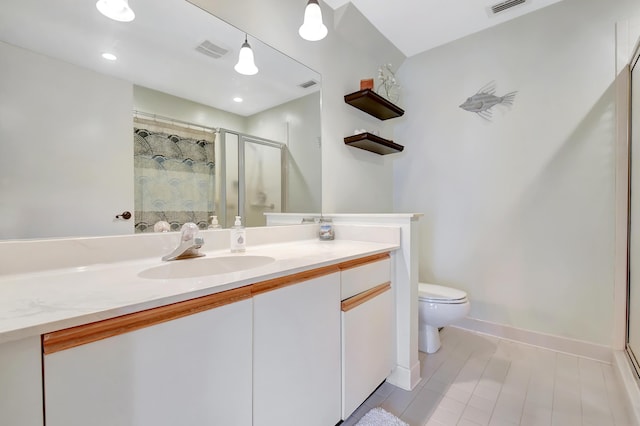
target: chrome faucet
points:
(189, 243)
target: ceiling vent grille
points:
(501, 7)
(210, 49)
(308, 84)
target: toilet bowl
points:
(438, 306)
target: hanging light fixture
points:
(245, 64)
(312, 28)
(117, 10)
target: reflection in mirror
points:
(174, 174)
(250, 178)
(67, 138)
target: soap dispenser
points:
(238, 237)
(214, 223)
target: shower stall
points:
(250, 178)
(188, 173)
(633, 227)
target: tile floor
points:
(482, 380)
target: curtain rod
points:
(170, 120)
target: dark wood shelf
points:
(373, 143)
(370, 102)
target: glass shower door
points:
(263, 179)
(633, 330)
(228, 172)
(250, 178)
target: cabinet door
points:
(297, 354)
(194, 370)
(367, 349)
(21, 383)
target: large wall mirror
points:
(160, 131)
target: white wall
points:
(519, 212)
(353, 180)
(47, 119)
(627, 33)
(163, 104)
(297, 124)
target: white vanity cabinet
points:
(166, 366)
(302, 349)
(367, 328)
(21, 383)
(297, 351)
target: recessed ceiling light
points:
(109, 56)
(237, 99)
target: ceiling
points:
(414, 26)
(157, 50)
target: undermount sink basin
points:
(200, 267)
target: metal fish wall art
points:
(485, 99)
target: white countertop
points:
(40, 302)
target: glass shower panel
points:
(634, 222)
(231, 189)
(263, 181)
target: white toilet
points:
(438, 306)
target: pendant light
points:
(312, 28)
(117, 10)
(245, 64)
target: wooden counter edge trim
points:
(363, 260)
(276, 283)
(75, 336)
(365, 296)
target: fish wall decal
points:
(485, 99)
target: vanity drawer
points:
(364, 274)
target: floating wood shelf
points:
(370, 102)
(373, 143)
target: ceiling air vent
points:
(210, 49)
(308, 84)
(501, 7)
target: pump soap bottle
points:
(214, 223)
(238, 237)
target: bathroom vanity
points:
(104, 344)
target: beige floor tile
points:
(477, 380)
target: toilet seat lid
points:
(440, 293)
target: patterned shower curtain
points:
(174, 171)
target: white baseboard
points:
(547, 341)
(626, 375)
(405, 378)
